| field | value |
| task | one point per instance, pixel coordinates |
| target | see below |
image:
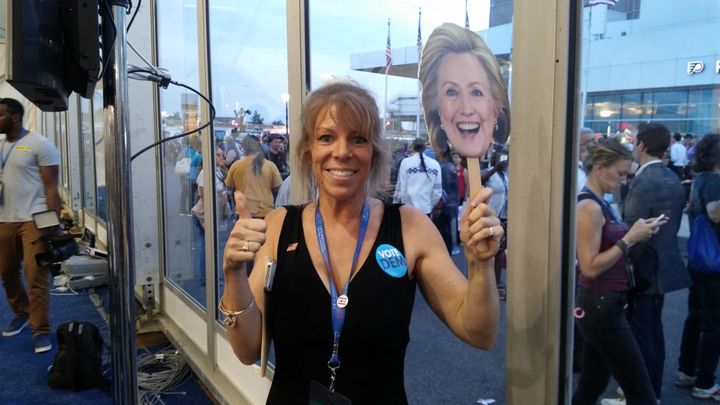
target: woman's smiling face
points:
(341, 158)
(465, 104)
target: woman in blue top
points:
(602, 296)
(347, 266)
(700, 348)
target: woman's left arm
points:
(468, 306)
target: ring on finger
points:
(245, 247)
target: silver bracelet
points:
(230, 316)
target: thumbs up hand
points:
(246, 237)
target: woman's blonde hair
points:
(353, 107)
(451, 38)
(605, 152)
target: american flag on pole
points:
(467, 19)
(591, 3)
(419, 38)
(388, 52)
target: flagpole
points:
(467, 19)
(388, 63)
(419, 105)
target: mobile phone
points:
(270, 266)
(659, 218)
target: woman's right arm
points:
(240, 290)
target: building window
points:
(501, 12)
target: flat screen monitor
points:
(35, 52)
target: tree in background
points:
(257, 119)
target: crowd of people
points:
(628, 258)
(255, 165)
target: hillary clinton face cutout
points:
(465, 104)
(464, 95)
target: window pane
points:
(61, 145)
(3, 22)
(250, 89)
(99, 133)
(336, 51)
(703, 114)
(180, 112)
(665, 73)
(88, 155)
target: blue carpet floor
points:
(24, 373)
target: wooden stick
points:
(474, 176)
(475, 180)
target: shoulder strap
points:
(392, 225)
(291, 229)
(588, 196)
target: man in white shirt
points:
(29, 165)
(678, 156)
(419, 181)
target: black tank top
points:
(376, 331)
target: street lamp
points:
(286, 97)
(606, 114)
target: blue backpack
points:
(703, 246)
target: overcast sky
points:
(249, 45)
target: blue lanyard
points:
(4, 160)
(338, 303)
(605, 205)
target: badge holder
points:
(265, 342)
(321, 395)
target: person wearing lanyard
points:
(29, 164)
(603, 284)
(348, 264)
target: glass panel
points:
(88, 155)
(606, 113)
(618, 60)
(3, 22)
(99, 134)
(360, 54)
(62, 147)
(702, 112)
(179, 109)
(671, 104)
(250, 75)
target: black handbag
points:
(642, 267)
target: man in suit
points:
(656, 190)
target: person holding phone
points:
(348, 266)
(655, 191)
(603, 241)
(28, 185)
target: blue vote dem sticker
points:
(391, 261)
